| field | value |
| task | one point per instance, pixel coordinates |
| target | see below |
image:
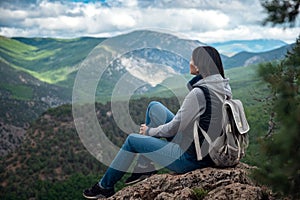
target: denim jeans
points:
(162, 152)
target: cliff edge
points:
(207, 183)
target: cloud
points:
(96, 18)
(244, 32)
(205, 20)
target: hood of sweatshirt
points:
(215, 83)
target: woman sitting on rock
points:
(177, 153)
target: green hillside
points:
(52, 159)
(244, 82)
(248, 87)
(47, 59)
(55, 60)
(24, 98)
(38, 73)
(51, 153)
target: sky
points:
(208, 21)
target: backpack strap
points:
(197, 141)
(201, 124)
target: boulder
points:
(207, 183)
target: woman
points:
(177, 153)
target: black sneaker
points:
(140, 174)
(96, 192)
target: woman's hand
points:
(143, 129)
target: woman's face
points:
(193, 69)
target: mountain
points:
(51, 152)
(150, 58)
(11, 138)
(39, 73)
(49, 60)
(139, 60)
(29, 68)
(148, 64)
(248, 58)
(25, 96)
(147, 61)
(52, 161)
(230, 48)
(56, 61)
(37, 77)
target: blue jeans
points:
(160, 151)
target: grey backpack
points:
(227, 149)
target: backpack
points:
(227, 149)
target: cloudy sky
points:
(205, 20)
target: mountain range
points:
(41, 155)
(56, 61)
(39, 73)
(250, 58)
(230, 48)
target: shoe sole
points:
(94, 197)
(138, 180)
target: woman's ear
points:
(197, 69)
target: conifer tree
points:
(281, 11)
(279, 163)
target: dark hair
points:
(208, 61)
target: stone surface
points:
(215, 183)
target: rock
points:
(11, 138)
(236, 191)
(207, 183)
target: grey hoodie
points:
(193, 106)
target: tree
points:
(279, 165)
(281, 11)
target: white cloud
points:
(130, 3)
(123, 19)
(247, 33)
(205, 20)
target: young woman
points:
(177, 153)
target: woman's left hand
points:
(143, 129)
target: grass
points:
(15, 46)
(19, 92)
(49, 60)
(245, 83)
(21, 51)
(55, 76)
(199, 193)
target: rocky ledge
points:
(207, 183)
